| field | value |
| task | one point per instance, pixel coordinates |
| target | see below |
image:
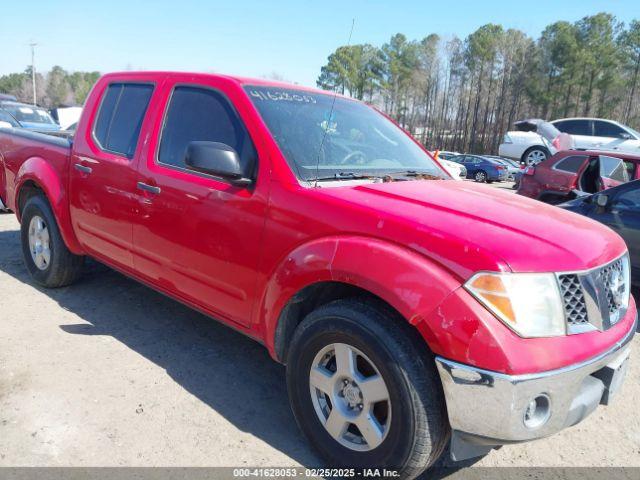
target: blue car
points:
(29, 116)
(482, 169)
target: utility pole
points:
(33, 70)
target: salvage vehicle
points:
(619, 209)
(483, 169)
(406, 306)
(570, 173)
(588, 133)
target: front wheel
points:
(364, 390)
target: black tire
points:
(541, 152)
(481, 176)
(418, 430)
(64, 267)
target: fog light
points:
(537, 412)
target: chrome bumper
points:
(487, 409)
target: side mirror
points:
(602, 200)
(626, 136)
(216, 159)
(5, 125)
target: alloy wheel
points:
(39, 243)
(535, 156)
(350, 397)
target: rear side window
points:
(606, 129)
(200, 114)
(570, 164)
(120, 117)
(574, 127)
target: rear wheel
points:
(364, 390)
(535, 155)
(47, 258)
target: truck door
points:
(103, 171)
(199, 236)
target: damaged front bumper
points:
(487, 409)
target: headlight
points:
(528, 303)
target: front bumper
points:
(487, 408)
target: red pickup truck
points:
(408, 308)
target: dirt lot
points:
(108, 372)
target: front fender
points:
(47, 178)
(406, 280)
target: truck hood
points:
(470, 227)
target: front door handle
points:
(148, 188)
(82, 168)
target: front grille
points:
(575, 306)
(604, 288)
(606, 277)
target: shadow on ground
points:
(231, 373)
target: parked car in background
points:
(482, 169)
(456, 170)
(619, 209)
(66, 116)
(30, 117)
(6, 96)
(587, 133)
(513, 167)
(559, 178)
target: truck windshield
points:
(359, 141)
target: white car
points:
(457, 171)
(587, 133)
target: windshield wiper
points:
(347, 176)
(414, 173)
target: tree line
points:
(463, 95)
(53, 89)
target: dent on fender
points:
(406, 280)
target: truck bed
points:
(18, 147)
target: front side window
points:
(606, 129)
(574, 127)
(571, 164)
(200, 114)
(120, 117)
(323, 136)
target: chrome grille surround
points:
(595, 299)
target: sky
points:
(250, 38)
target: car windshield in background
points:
(7, 118)
(28, 114)
(359, 141)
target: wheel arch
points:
(37, 176)
(398, 279)
(533, 147)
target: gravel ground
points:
(109, 373)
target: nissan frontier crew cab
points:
(411, 311)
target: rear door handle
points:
(82, 168)
(148, 188)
